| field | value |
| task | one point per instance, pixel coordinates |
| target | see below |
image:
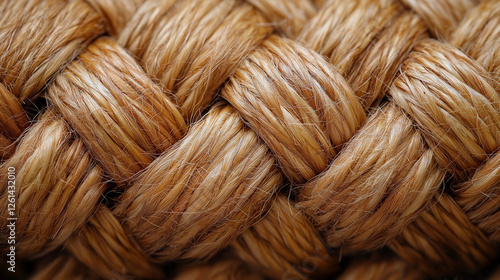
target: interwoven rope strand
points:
(258, 139)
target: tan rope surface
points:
(258, 139)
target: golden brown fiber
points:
(250, 139)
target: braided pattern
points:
(231, 139)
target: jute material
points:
(225, 139)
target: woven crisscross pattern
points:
(228, 139)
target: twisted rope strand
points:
(279, 139)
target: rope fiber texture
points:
(259, 139)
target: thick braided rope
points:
(293, 133)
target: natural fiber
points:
(259, 139)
